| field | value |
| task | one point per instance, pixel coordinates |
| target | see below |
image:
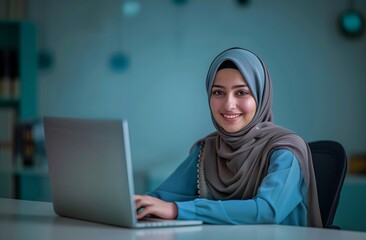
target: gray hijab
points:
(236, 163)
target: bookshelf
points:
(18, 70)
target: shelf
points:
(41, 170)
(32, 171)
(9, 102)
(18, 103)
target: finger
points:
(137, 197)
(142, 198)
(143, 213)
(139, 201)
(143, 202)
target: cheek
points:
(249, 106)
(214, 105)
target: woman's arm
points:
(280, 199)
(181, 185)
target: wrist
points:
(174, 210)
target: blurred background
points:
(146, 61)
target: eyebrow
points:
(235, 86)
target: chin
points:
(232, 130)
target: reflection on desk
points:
(21, 219)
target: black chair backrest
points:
(330, 166)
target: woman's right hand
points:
(151, 206)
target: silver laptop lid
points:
(90, 169)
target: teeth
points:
(231, 116)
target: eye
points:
(217, 92)
(242, 92)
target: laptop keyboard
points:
(157, 222)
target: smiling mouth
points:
(231, 116)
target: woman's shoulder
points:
(285, 136)
(199, 144)
(281, 158)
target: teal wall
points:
(318, 75)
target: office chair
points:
(330, 167)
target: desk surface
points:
(36, 220)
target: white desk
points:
(37, 220)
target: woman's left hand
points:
(147, 205)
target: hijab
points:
(236, 163)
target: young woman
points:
(250, 171)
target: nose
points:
(230, 103)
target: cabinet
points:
(18, 97)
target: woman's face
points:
(232, 103)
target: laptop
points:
(90, 169)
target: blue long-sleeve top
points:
(281, 197)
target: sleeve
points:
(181, 185)
(281, 192)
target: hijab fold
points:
(236, 163)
